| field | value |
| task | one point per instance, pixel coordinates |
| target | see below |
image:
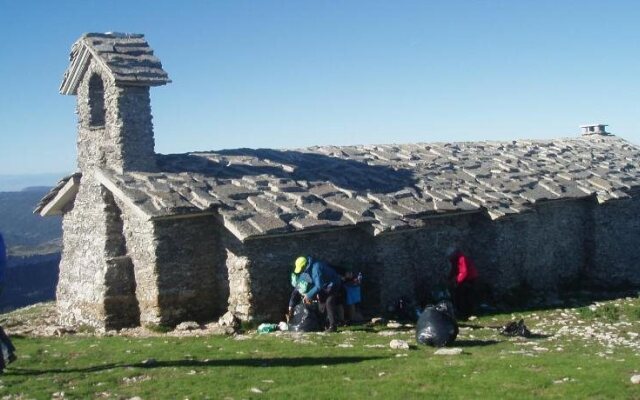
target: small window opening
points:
(96, 101)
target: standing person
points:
(5, 343)
(352, 296)
(326, 287)
(462, 277)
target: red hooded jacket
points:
(462, 268)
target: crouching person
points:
(327, 285)
(301, 282)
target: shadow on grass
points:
(237, 362)
(475, 342)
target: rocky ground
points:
(612, 324)
(587, 350)
(40, 320)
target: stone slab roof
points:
(54, 193)
(381, 188)
(127, 57)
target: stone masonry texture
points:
(162, 239)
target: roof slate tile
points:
(264, 191)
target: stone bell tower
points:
(110, 73)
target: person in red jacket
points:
(462, 277)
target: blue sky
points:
(288, 74)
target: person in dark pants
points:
(326, 288)
(462, 277)
(5, 342)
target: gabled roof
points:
(54, 202)
(127, 57)
(381, 188)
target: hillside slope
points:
(18, 224)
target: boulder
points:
(230, 320)
(399, 344)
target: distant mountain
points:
(30, 279)
(34, 249)
(18, 224)
(16, 183)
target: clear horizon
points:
(294, 74)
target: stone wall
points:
(615, 248)
(138, 233)
(264, 266)
(543, 251)
(191, 276)
(194, 269)
(95, 286)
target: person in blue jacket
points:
(5, 342)
(326, 287)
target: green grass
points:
(325, 367)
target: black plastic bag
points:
(436, 326)
(515, 329)
(306, 319)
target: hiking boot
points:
(331, 328)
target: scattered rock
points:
(255, 390)
(134, 379)
(398, 344)
(635, 379)
(394, 325)
(214, 328)
(472, 318)
(228, 319)
(188, 326)
(387, 333)
(382, 373)
(378, 321)
(453, 351)
(55, 330)
(345, 345)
